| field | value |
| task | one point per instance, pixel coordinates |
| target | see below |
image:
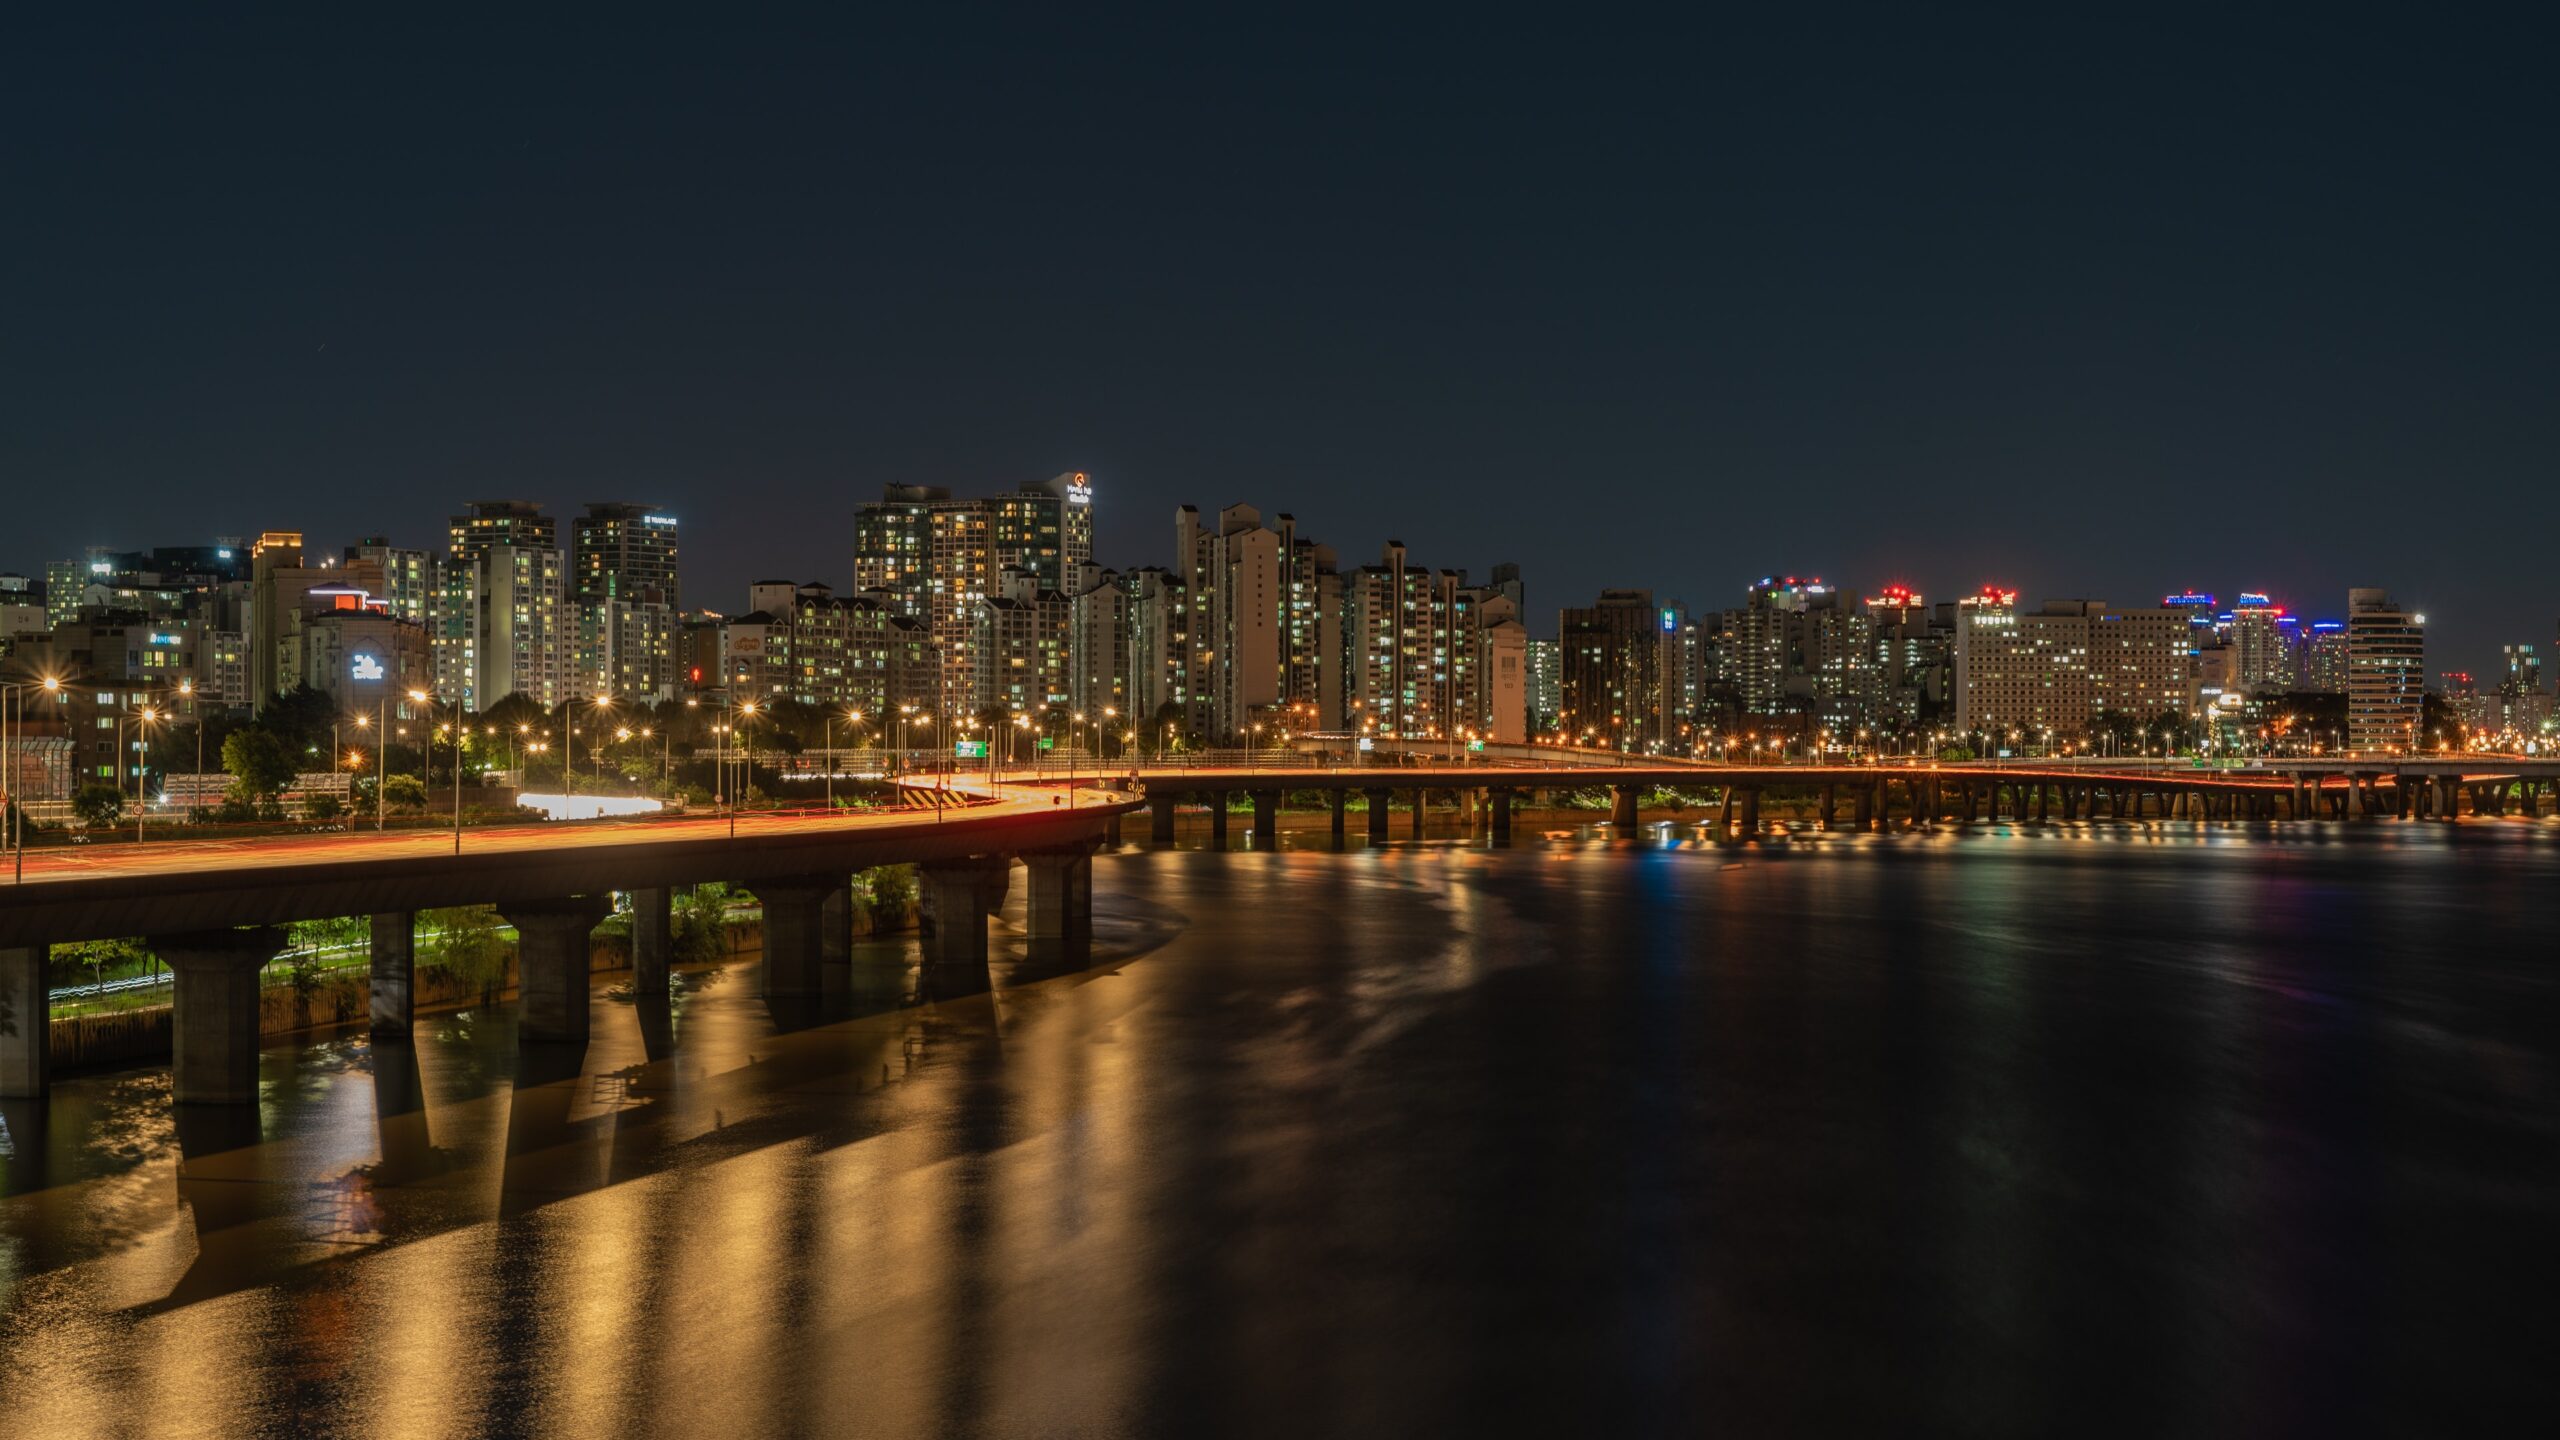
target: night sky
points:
(2099, 308)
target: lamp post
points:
(148, 715)
(195, 790)
(746, 781)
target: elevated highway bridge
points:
(214, 909)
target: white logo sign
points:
(366, 667)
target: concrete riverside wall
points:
(343, 997)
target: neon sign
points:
(365, 667)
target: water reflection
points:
(2020, 1130)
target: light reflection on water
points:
(2018, 1131)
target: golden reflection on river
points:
(1604, 1138)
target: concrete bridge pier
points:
(1498, 801)
(1111, 830)
(795, 933)
(964, 894)
(213, 1028)
(653, 940)
(1377, 815)
(1622, 806)
(1880, 807)
(835, 924)
(1421, 801)
(1862, 810)
(1340, 801)
(552, 964)
(1830, 806)
(1217, 819)
(1750, 813)
(394, 974)
(26, 1022)
(2042, 813)
(1266, 819)
(1058, 909)
(1160, 818)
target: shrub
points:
(468, 944)
(702, 924)
(892, 888)
(98, 806)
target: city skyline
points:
(2456, 643)
(1955, 315)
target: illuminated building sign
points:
(365, 667)
(1668, 624)
(666, 520)
(1078, 491)
(164, 639)
(2192, 597)
(101, 567)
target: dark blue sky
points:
(2091, 307)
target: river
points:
(2034, 1131)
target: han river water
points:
(2058, 1130)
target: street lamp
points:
(747, 780)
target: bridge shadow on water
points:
(356, 1145)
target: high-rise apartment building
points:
(1610, 682)
(2054, 672)
(2386, 674)
(408, 576)
(1018, 657)
(936, 558)
(1768, 636)
(1545, 660)
(1234, 581)
(500, 623)
(623, 591)
(2263, 655)
(2325, 662)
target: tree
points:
(323, 806)
(405, 792)
(259, 762)
(98, 806)
(517, 709)
(301, 719)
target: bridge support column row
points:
(653, 940)
(1750, 816)
(1218, 819)
(1421, 800)
(1160, 818)
(1622, 806)
(394, 975)
(26, 1021)
(963, 894)
(797, 932)
(1058, 913)
(1266, 819)
(1499, 801)
(552, 964)
(214, 1011)
(1377, 816)
(1341, 801)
